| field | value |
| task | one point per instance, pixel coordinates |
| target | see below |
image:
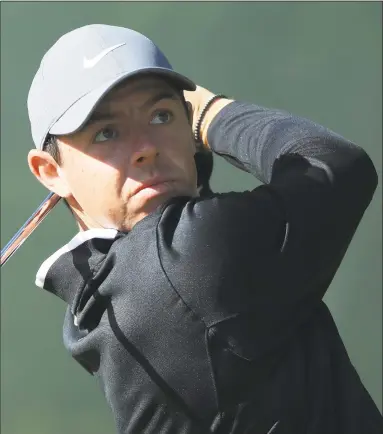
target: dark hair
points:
(52, 147)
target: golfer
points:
(197, 312)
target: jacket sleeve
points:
(272, 251)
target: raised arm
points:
(276, 248)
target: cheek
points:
(90, 178)
(178, 143)
(185, 155)
(180, 150)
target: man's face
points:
(135, 152)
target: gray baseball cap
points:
(81, 67)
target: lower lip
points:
(154, 190)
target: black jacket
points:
(208, 316)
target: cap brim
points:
(79, 112)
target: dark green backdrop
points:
(319, 60)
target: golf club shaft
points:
(29, 226)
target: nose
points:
(146, 155)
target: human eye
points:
(162, 117)
(107, 133)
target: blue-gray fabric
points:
(208, 316)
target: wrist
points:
(202, 110)
(214, 108)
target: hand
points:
(198, 100)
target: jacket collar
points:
(67, 271)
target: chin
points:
(148, 200)
(153, 203)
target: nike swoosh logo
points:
(90, 63)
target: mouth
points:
(153, 187)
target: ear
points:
(48, 172)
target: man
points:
(198, 313)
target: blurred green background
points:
(318, 60)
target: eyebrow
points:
(107, 115)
